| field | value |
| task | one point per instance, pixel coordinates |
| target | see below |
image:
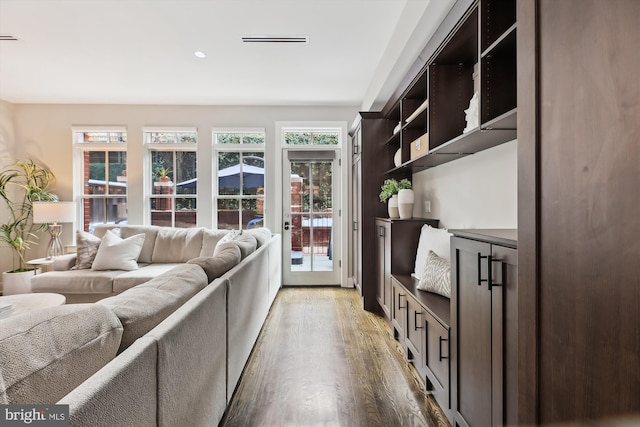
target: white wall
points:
(7, 146)
(477, 191)
(44, 132)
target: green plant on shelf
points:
(393, 186)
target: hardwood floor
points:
(321, 360)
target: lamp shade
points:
(53, 212)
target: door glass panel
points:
(311, 216)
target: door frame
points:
(341, 216)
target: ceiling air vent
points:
(7, 37)
(271, 39)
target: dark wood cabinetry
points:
(478, 55)
(579, 211)
(369, 158)
(396, 246)
(484, 327)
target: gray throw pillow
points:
(437, 276)
(228, 256)
(87, 246)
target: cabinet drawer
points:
(415, 332)
(437, 360)
(399, 311)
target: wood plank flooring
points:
(321, 360)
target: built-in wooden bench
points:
(421, 323)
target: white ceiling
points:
(142, 51)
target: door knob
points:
(286, 225)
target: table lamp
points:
(54, 213)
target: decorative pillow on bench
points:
(437, 275)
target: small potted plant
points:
(389, 192)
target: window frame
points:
(82, 147)
(236, 148)
(148, 182)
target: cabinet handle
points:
(415, 320)
(355, 225)
(440, 348)
(381, 231)
(489, 279)
(400, 307)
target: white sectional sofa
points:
(167, 352)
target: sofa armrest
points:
(64, 262)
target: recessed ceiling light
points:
(199, 54)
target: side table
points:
(41, 262)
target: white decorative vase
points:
(405, 204)
(393, 207)
(397, 159)
(18, 283)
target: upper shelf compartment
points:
(451, 82)
(497, 16)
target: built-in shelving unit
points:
(477, 55)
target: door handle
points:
(286, 225)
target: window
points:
(101, 172)
(320, 137)
(173, 176)
(239, 187)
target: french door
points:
(311, 223)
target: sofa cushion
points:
(177, 244)
(146, 272)
(210, 239)
(143, 307)
(262, 235)
(116, 253)
(75, 282)
(46, 354)
(228, 256)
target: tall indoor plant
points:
(21, 184)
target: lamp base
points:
(55, 247)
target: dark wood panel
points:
(528, 160)
(321, 360)
(374, 158)
(589, 92)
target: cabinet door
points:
(504, 325)
(437, 361)
(471, 333)
(383, 266)
(399, 312)
(415, 334)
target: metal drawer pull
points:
(415, 320)
(400, 307)
(440, 348)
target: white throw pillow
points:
(437, 276)
(437, 240)
(232, 234)
(116, 253)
